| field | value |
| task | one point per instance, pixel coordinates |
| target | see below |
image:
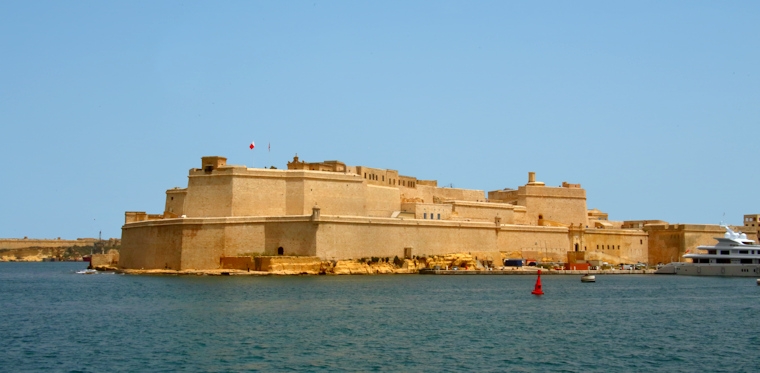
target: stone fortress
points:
(334, 211)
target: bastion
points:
(337, 212)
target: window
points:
(724, 252)
(439, 216)
(425, 215)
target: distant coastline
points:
(55, 249)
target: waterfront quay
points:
(534, 272)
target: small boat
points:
(87, 272)
(588, 278)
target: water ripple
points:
(53, 319)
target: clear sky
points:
(652, 106)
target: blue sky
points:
(652, 106)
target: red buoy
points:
(537, 290)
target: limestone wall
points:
(382, 201)
(246, 237)
(669, 242)
(428, 211)
(209, 194)
(109, 259)
(347, 238)
(258, 193)
(175, 202)
(200, 243)
(305, 264)
(358, 238)
(295, 237)
(430, 194)
(336, 194)
(483, 211)
(243, 263)
(151, 245)
(533, 242)
(202, 246)
(563, 205)
(616, 245)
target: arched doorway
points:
(280, 251)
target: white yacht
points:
(734, 255)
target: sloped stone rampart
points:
(243, 263)
(289, 264)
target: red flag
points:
(252, 145)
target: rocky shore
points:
(451, 264)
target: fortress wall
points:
(382, 201)
(519, 216)
(459, 194)
(202, 246)
(563, 205)
(200, 243)
(335, 194)
(296, 237)
(294, 197)
(483, 211)
(357, 238)
(506, 196)
(378, 176)
(669, 242)
(429, 211)
(156, 244)
(244, 239)
(629, 246)
(665, 243)
(175, 202)
(533, 242)
(151, 246)
(208, 194)
(428, 192)
(360, 238)
(258, 193)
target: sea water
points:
(52, 319)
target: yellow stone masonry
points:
(340, 213)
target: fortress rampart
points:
(334, 211)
